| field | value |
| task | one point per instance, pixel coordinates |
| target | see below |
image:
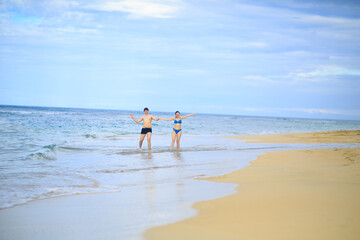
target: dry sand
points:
(297, 194)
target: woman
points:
(176, 133)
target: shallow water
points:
(47, 152)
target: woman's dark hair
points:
(177, 112)
(146, 109)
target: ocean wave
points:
(75, 148)
(42, 156)
(165, 150)
(138, 169)
(93, 136)
(15, 112)
(36, 112)
(47, 152)
(191, 149)
(51, 147)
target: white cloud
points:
(338, 58)
(60, 3)
(278, 111)
(76, 30)
(316, 110)
(298, 53)
(150, 75)
(192, 71)
(255, 80)
(343, 22)
(354, 112)
(281, 14)
(40, 7)
(329, 71)
(240, 44)
(76, 15)
(10, 28)
(141, 8)
(320, 74)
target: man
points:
(146, 129)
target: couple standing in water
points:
(147, 130)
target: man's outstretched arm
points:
(137, 121)
(154, 118)
(169, 119)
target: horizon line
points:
(220, 114)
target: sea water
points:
(49, 152)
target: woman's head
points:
(177, 113)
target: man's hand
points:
(131, 115)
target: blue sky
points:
(261, 58)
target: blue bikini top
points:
(177, 121)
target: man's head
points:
(146, 110)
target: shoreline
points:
(290, 194)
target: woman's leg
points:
(173, 139)
(178, 136)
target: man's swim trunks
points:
(146, 130)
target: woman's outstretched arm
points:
(187, 115)
(169, 119)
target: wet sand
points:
(296, 194)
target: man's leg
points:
(148, 136)
(142, 136)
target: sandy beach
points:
(296, 194)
